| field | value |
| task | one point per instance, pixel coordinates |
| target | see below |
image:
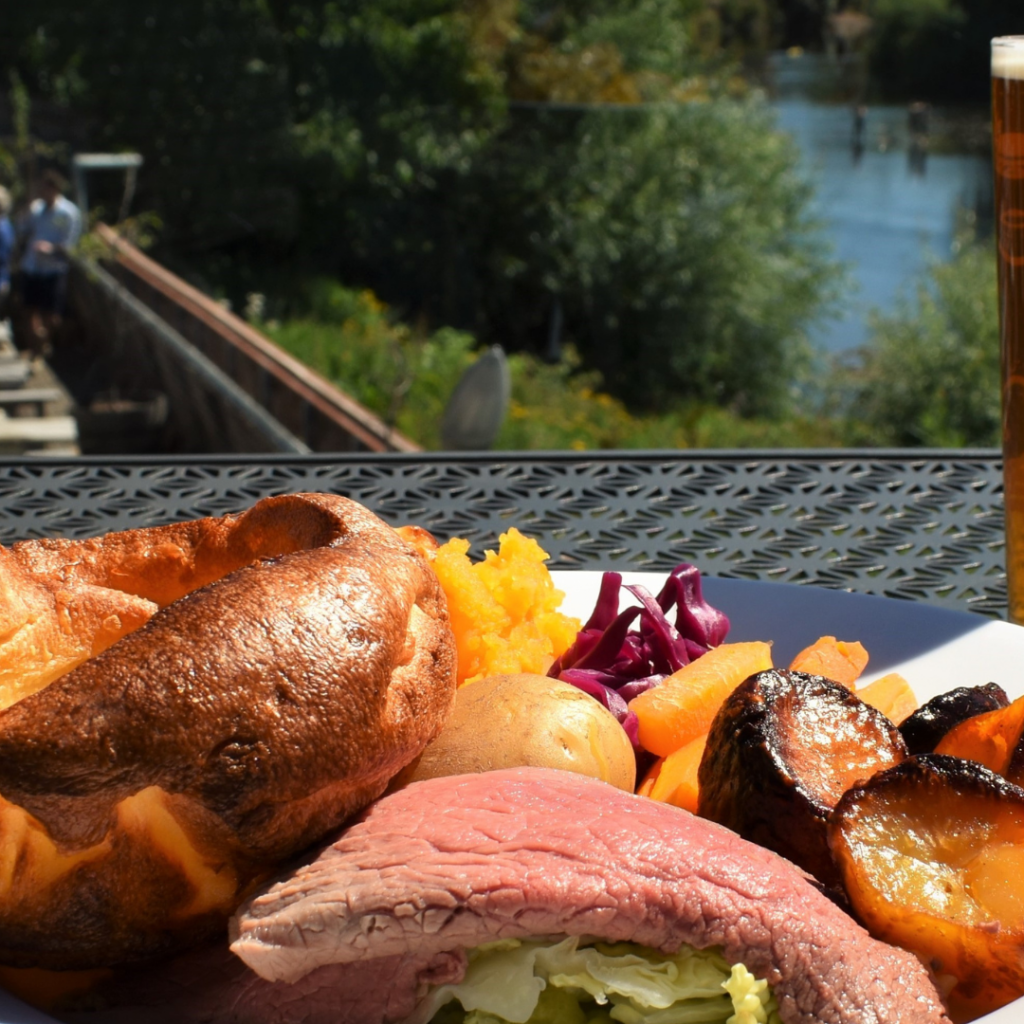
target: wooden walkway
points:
(35, 412)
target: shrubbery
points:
(407, 376)
(930, 375)
(476, 163)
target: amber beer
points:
(1008, 154)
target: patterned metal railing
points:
(926, 526)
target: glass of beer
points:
(1008, 154)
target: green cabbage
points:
(584, 981)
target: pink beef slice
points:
(451, 863)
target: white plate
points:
(934, 649)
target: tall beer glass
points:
(1008, 153)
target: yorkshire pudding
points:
(297, 656)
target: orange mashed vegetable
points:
(504, 610)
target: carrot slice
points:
(989, 739)
(842, 661)
(676, 783)
(891, 695)
(683, 706)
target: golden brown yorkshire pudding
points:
(298, 655)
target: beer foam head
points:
(1008, 57)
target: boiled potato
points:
(517, 720)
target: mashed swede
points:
(504, 610)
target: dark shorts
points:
(43, 291)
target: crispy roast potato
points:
(782, 750)
(148, 789)
(925, 728)
(932, 856)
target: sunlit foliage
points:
(502, 167)
(930, 375)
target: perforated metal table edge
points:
(920, 524)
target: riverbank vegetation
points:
(596, 185)
(936, 50)
(407, 376)
(929, 376)
(580, 174)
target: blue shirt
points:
(59, 224)
(6, 249)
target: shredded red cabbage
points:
(614, 663)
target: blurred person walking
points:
(6, 249)
(51, 231)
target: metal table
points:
(920, 524)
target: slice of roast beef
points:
(451, 863)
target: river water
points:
(892, 197)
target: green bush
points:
(556, 407)
(407, 377)
(677, 239)
(930, 374)
(404, 376)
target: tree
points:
(800, 22)
(390, 102)
(679, 247)
(196, 86)
(487, 164)
(930, 373)
(937, 50)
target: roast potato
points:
(932, 857)
(926, 727)
(781, 752)
(525, 720)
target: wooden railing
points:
(134, 355)
(321, 415)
